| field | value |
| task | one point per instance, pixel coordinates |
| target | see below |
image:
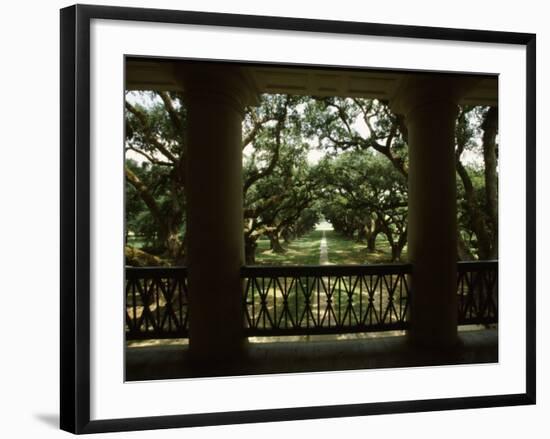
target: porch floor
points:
(172, 361)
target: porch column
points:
(429, 104)
(215, 96)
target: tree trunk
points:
(372, 229)
(250, 250)
(464, 253)
(490, 127)
(372, 234)
(173, 245)
(395, 253)
(397, 248)
(478, 223)
(389, 236)
(361, 234)
(371, 242)
(168, 233)
(288, 235)
(274, 242)
(138, 258)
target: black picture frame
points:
(75, 217)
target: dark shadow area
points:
(169, 362)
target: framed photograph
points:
(275, 218)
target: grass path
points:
(310, 250)
(323, 251)
(301, 251)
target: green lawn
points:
(341, 251)
(305, 250)
(136, 241)
(328, 297)
(302, 251)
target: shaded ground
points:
(302, 251)
(146, 363)
(306, 250)
(293, 338)
(340, 251)
(323, 251)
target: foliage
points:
(155, 172)
(279, 185)
(359, 184)
(364, 193)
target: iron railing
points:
(325, 299)
(477, 292)
(305, 300)
(156, 303)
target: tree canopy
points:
(304, 159)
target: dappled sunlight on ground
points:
(467, 328)
(157, 342)
(306, 250)
(304, 338)
(297, 338)
(341, 251)
(302, 251)
(334, 337)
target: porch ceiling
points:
(159, 75)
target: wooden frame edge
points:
(75, 218)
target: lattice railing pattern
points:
(477, 292)
(325, 299)
(156, 303)
(305, 300)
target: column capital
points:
(220, 81)
(427, 89)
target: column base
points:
(218, 363)
(429, 340)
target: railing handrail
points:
(136, 272)
(324, 270)
(304, 270)
(477, 265)
(311, 299)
